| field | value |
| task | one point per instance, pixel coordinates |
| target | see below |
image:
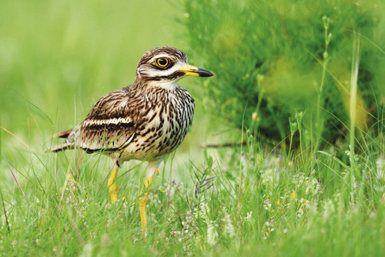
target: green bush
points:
(283, 64)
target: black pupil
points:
(162, 62)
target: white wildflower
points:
(229, 228)
(212, 234)
(298, 179)
(203, 210)
(300, 212)
(267, 204)
(380, 163)
(248, 216)
(328, 209)
(269, 228)
(311, 185)
(87, 250)
(269, 176)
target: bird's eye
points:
(162, 62)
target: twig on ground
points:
(62, 196)
(5, 211)
(14, 176)
(223, 145)
(17, 138)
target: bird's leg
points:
(112, 186)
(152, 169)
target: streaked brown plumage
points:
(144, 121)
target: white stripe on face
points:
(149, 71)
(153, 72)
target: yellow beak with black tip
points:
(190, 70)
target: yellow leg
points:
(152, 170)
(112, 186)
(143, 203)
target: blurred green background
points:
(279, 60)
(58, 57)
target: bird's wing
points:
(110, 125)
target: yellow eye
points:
(162, 62)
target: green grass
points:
(274, 59)
(242, 201)
(57, 58)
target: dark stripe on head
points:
(172, 76)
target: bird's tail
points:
(69, 144)
(61, 147)
(63, 134)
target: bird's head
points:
(166, 65)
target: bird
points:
(144, 121)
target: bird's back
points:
(136, 123)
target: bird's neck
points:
(153, 84)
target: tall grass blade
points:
(353, 98)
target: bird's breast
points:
(163, 125)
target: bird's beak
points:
(190, 70)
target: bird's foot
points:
(112, 186)
(148, 182)
(144, 199)
(142, 209)
(113, 189)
